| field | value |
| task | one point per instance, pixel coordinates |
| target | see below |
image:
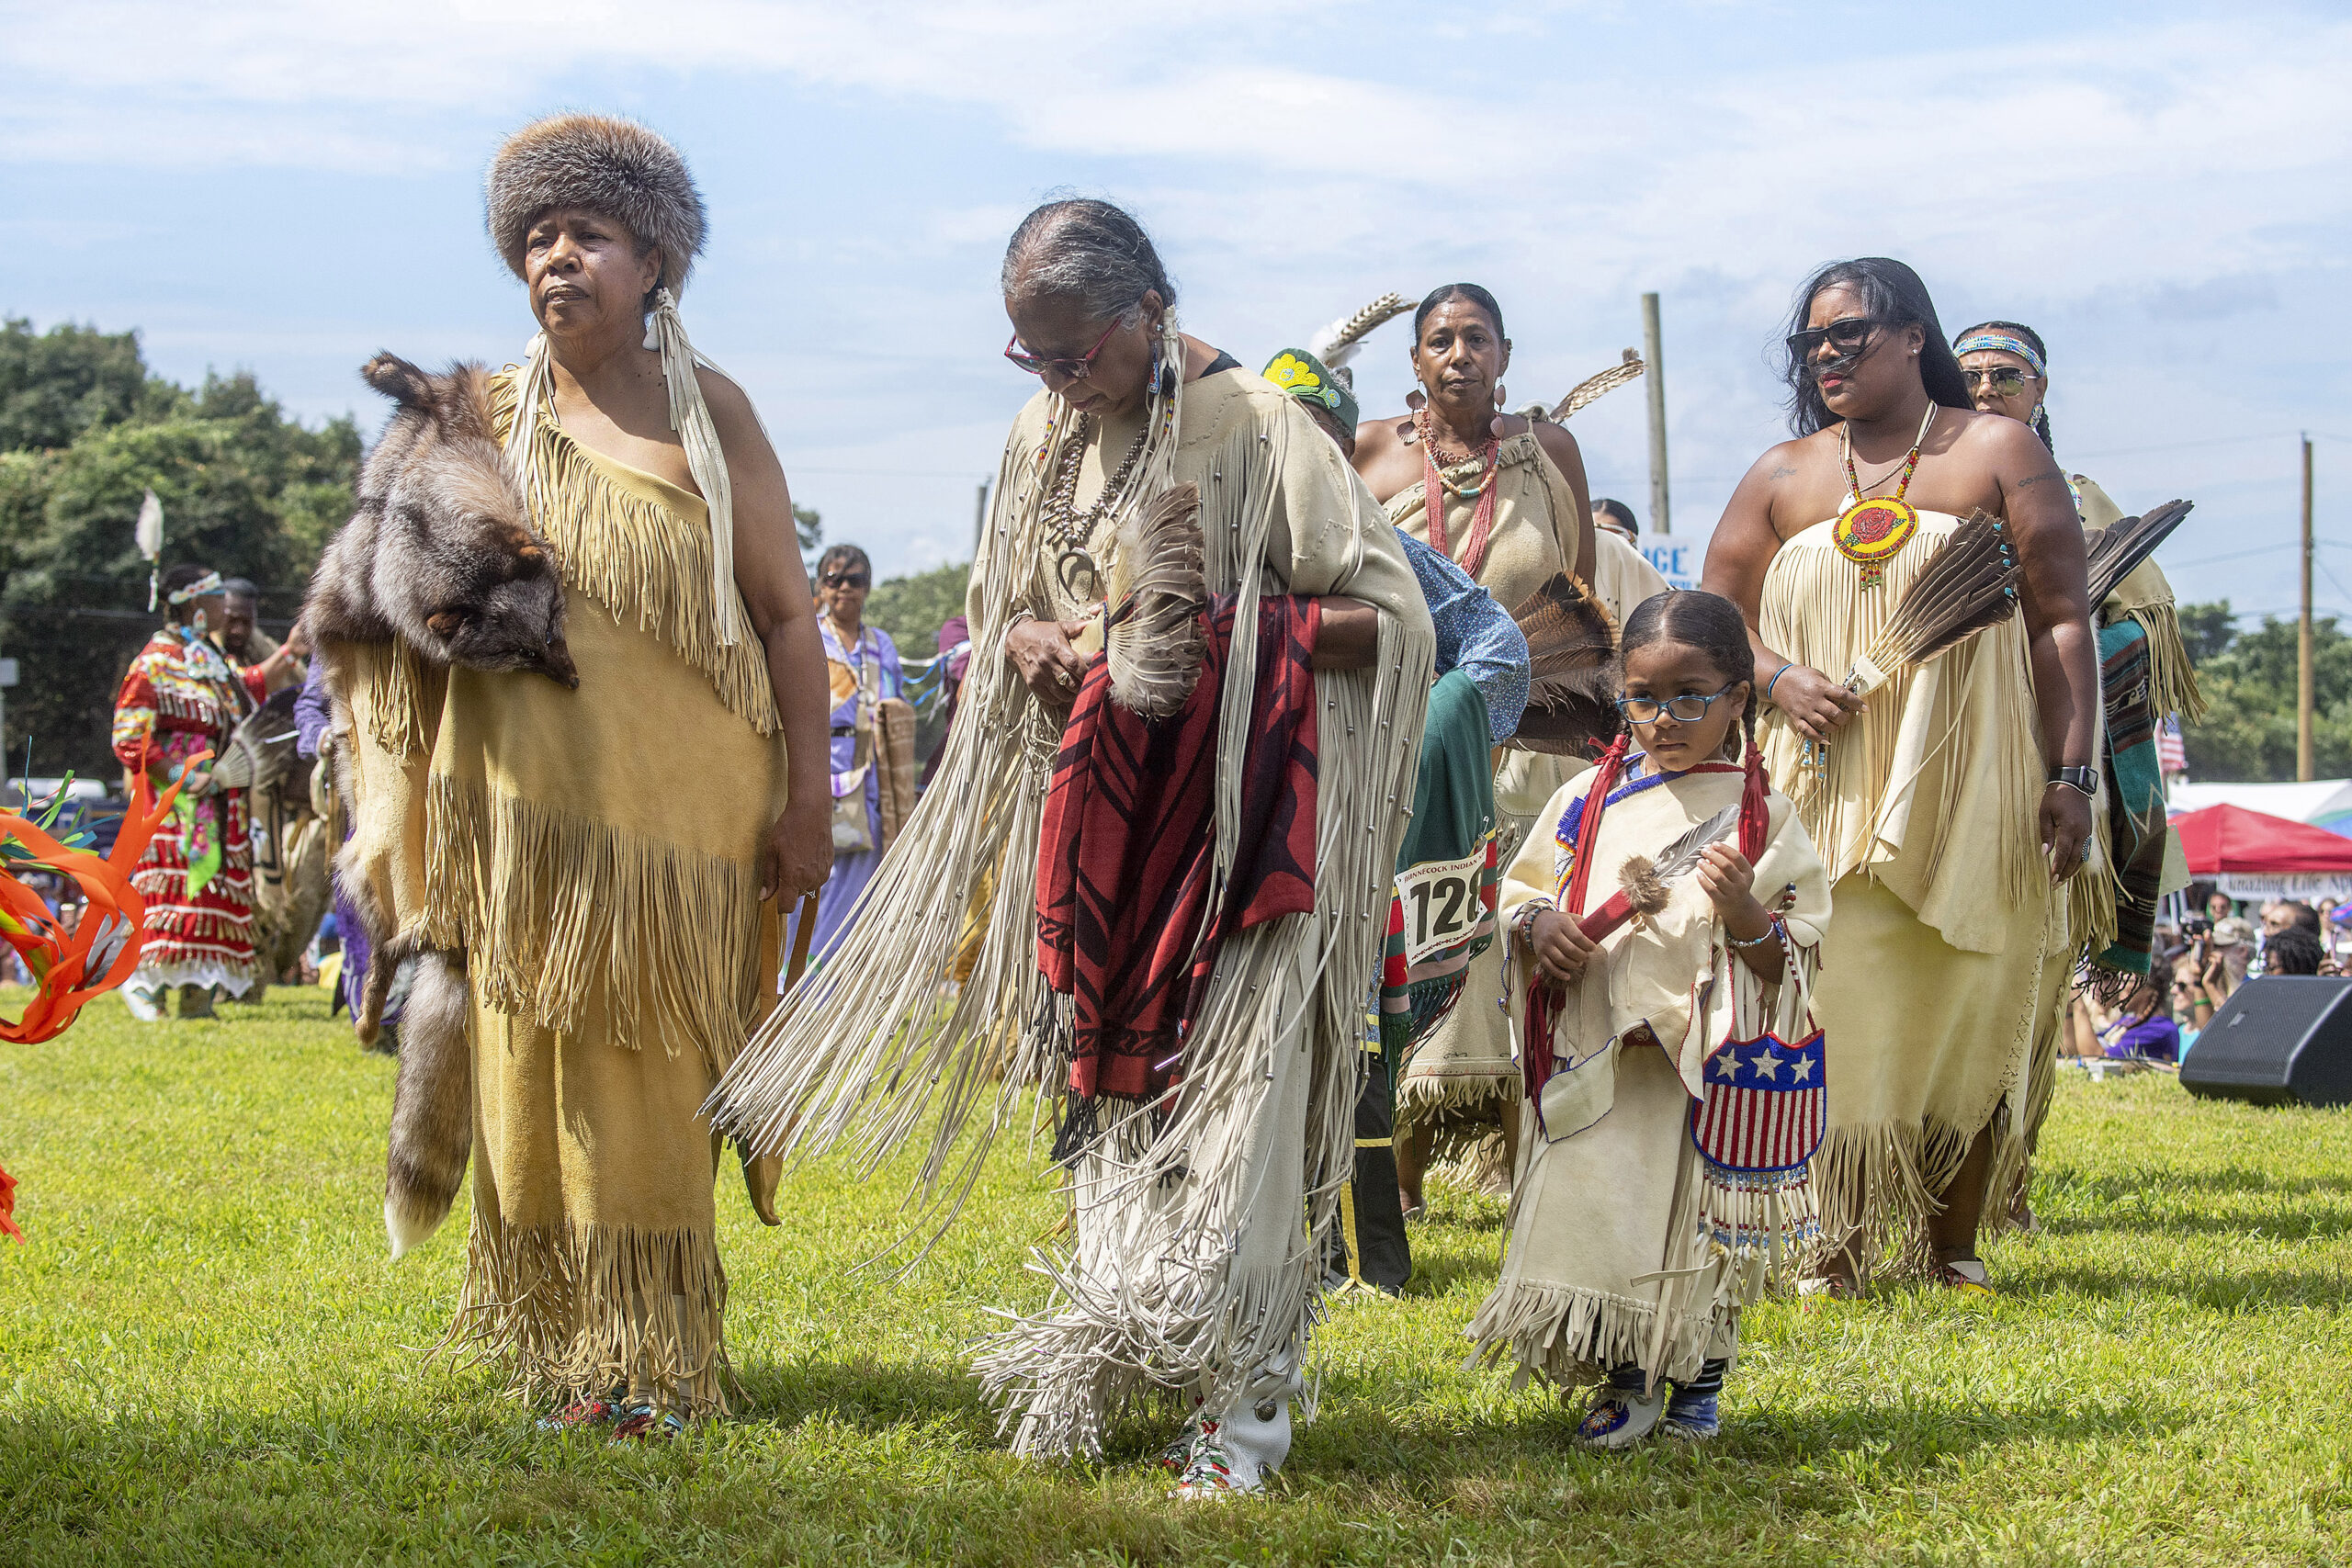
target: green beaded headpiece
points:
(1303, 376)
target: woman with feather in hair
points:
(1515, 513)
(1952, 802)
(1182, 845)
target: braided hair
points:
(1713, 625)
(2040, 420)
(1708, 622)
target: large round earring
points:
(1499, 396)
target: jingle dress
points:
(180, 697)
(605, 892)
(1462, 1073)
(1202, 1220)
(1619, 1252)
(1933, 976)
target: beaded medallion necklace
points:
(1435, 486)
(1869, 533)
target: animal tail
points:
(433, 1101)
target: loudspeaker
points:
(2283, 1039)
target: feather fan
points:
(1572, 669)
(2114, 551)
(1969, 584)
(1649, 883)
(1593, 387)
(1152, 634)
(261, 747)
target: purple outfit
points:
(852, 869)
(2155, 1039)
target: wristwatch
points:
(2085, 779)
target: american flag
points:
(2172, 756)
(1765, 1105)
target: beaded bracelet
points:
(1523, 919)
(1775, 679)
(1774, 929)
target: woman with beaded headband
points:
(593, 900)
(1956, 799)
(181, 698)
(1515, 511)
(2145, 679)
(1179, 931)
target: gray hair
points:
(1087, 249)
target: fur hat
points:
(614, 166)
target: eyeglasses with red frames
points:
(1073, 369)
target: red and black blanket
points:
(1124, 923)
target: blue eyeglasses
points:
(1687, 708)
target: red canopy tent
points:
(2252, 855)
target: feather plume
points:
(261, 747)
(1648, 882)
(1152, 632)
(1571, 668)
(1593, 387)
(1969, 584)
(2114, 551)
(1335, 344)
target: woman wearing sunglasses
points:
(1179, 852)
(863, 665)
(1949, 804)
(2145, 677)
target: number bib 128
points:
(1442, 905)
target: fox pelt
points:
(440, 551)
(432, 1101)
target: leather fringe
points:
(637, 557)
(561, 915)
(576, 1312)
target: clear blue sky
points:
(2161, 189)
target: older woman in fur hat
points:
(605, 897)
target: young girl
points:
(1673, 1075)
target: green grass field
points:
(209, 1358)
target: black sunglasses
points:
(1846, 336)
(847, 580)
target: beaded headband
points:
(209, 583)
(1304, 376)
(2018, 346)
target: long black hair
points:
(2040, 419)
(1470, 291)
(1892, 296)
(1708, 622)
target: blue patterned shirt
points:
(1474, 635)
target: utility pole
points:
(2303, 763)
(980, 518)
(1660, 521)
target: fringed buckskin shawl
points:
(1196, 1266)
(596, 855)
(1932, 974)
(1612, 1258)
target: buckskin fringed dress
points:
(182, 696)
(1462, 1074)
(1622, 1251)
(606, 899)
(1202, 1220)
(1934, 976)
